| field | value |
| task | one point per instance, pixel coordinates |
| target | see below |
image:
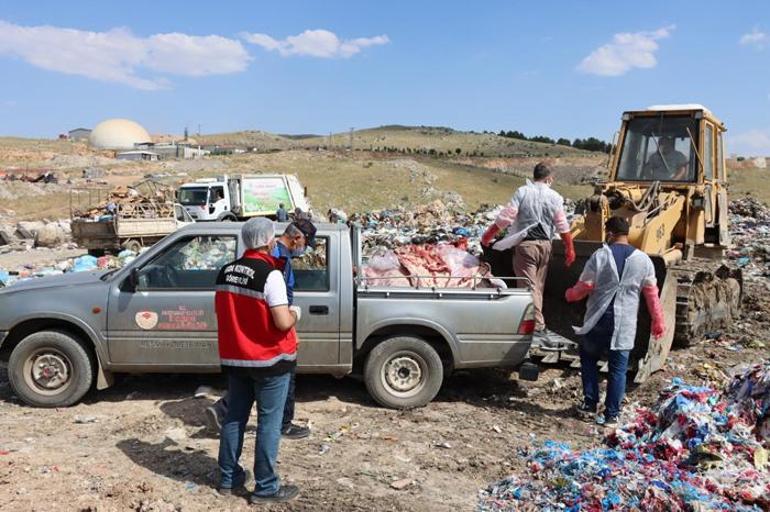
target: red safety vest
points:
(248, 337)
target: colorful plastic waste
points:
(85, 263)
(750, 232)
(696, 449)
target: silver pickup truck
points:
(61, 335)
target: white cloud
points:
(755, 38)
(752, 142)
(626, 51)
(316, 43)
(119, 56)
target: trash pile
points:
(429, 224)
(41, 176)
(430, 265)
(750, 230)
(696, 449)
(85, 263)
(146, 199)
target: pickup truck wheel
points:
(403, 372)
(50, 369)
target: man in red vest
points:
(257, 351)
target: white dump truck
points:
(232, 198)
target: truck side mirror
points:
(132, 281)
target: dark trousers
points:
(596, 344)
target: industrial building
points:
(137, 155)
(79, 134)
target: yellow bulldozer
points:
(667, 177)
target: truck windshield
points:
(659, 149)
(193, 196)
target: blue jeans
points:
(595, 345)
(288, 411)
(270, 395)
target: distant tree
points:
(543, 139)
(431, 151)
(458, 150)
(563, 142)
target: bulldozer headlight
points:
(697, 202)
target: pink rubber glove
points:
(579, 292)
(569, 249)
(655, 308)
(490, 235)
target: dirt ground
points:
(144, 444)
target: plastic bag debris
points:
(697, 448)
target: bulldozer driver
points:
(534, 214)
(666, 163)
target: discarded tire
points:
(403, 372)
(50, 369)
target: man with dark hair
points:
(666, 164)
(612, 280)
(281, 215)
(296, 237)
(535, 214)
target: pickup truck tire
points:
(50, 369)
(403, 372)
(227, 217)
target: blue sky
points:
(555, 68)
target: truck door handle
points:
(319, 310)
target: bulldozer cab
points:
(669, 164)
(673, 144)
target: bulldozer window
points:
(659, 149)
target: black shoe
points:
(294, 431)
(238, 484)
(285, 493)
(586, 412)
(214, 417)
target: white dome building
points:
(119, 134)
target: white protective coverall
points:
(602, 272)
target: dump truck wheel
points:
(133, 246)
(50, 369)
(403, 372)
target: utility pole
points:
(199, 129)
(331, 141)
(351, 138)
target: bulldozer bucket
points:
(648, 354)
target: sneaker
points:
(607, 421)
(215, 417)
(586, 412)
(238, 484)
(294, 431)
(285, 493)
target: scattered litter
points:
(695, 449)
(497, 429)
(445, 446)
(324, 449)
(86, 419)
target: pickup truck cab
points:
(61, 335)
